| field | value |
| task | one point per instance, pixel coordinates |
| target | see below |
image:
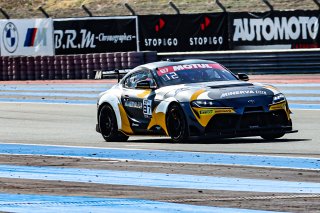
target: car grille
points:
(252, 119)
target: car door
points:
(138, 102)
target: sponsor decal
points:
(205, 40)
(292, 28)
(186, 32)
(26, 37)
(133, 104)
(277, 28)
(35, 37)
(206, 112)
(86, 39)
(115, 38)
(243, 92)
(157, 42)
(159, 25)
(199, 41)
(147, 108)
(205, 24)
(218, 111)
(10, 37)
(170, 69)
(95, 35)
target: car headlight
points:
(205, 103)
(278, 98)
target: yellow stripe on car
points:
(280, 106)
(125, 127)
(204, 115)
(271, 88)
(144, 93)
(196, 94)
(158, 118)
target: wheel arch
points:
(114, 102)
(159, 114)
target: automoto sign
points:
(27, 37)
(185, 32)
(95, 35)
(278, 27)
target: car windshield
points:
(193, 73)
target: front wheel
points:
(109, 127)
(272, 136)
(176, 124)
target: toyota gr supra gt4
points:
(189, 99)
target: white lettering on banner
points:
(88, 39)
(279, 28)
(158, 42)
(71, 36)
(193, 41)
(200, 41)
(58, 34)
(116, 38)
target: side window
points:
(127, 82)
(131, 81)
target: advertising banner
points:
(275, 28)
(95, 35)
(185, 32)
(26, 37)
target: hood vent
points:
(230, 85)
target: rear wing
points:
(111, 74)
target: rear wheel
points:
(109, 127)
(176, 124)
(272, 136)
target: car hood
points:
(224, 91)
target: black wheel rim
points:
(106, 123)
(176, 123)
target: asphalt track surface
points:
(280, 175)
(74, 125)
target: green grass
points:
(71, 8)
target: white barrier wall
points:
(26, 37)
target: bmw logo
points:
(10, 37)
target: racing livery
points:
(191, 98)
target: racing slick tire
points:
(109, 127)
(272, 136)
(176, 124)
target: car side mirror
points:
(146, 84)
(243, 77)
